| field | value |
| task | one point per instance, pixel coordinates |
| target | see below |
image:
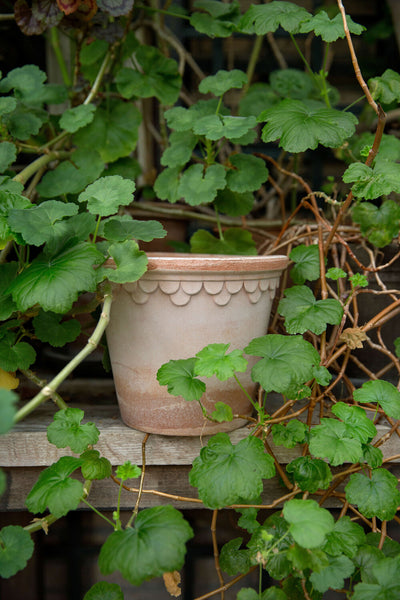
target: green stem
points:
(97, 228)
(37, 164)
(245, 392)
(41, 524)
(163, 12)
(118, 511)
(94, 509)
(303, 58)
(55, 44)
(360, 99)
(99, 78)
(41, 383)
(251, 66)
(93, 341)
(220, 232)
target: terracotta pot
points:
(181, 304)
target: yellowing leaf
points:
(172, 582)
(8, 381)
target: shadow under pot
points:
(181, 304)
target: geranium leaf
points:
(303, 312)
(8, 401)
(330, 29)
(179, 376)
(265, 18)
(214, 127)
(372, 182)
(378, 224)
(287, 362)
(102, 590)
(248, 173)
(55, 489)
(226, 474)
(232, 559)
(8, 154)
(291, 83)
(386, 88)
(95, 466)
(67, 430)
(119, 229)
(55, 281)
(384, 581)
(8, 201)
(199, 187)
(234, 204)
(375, 496)
(24, 80)
(214, 360)
(345, 538)
(302, 125)
(382, 392)
(333, 440)
(216, 20)
(155, 545)
(289, 435)
(373, 456)
(130, 262)
(114, 132)
(362, 428)
(16, 548)
(42, 223)
(166, 185)
(74, 118)
(128, 471)
(24, 122)
(258, 97)
(333, 575)
(7, 105)
(236, 241)
(309, 523)
(179, 151)
(223, 81)
(222, 412)
(49, 328)
(322, 375)
(105, 195)
(310, 474)
(72, 176)
(8, 272)
(306, 259)
(14, 356)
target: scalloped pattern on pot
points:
(180, 292)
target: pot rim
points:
(214, 262)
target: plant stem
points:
(245, 392)
(55, 44)
(136, 509)
(94, 509)
(251, 67)
(42, 383)
(92, 343)
(99, 78)
(37, 164)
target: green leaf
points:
(390, 548)
(41, 223)
(218, 19)
(362, 428)
(95, 466)
(333, 440)
(155, 545)
(248, 173)
(258, 97)
(247, 594)
(158, 76)
(306, 259)
(102, 590)
(8, 272)
(105, 195)
(55, 281)
(55, 489)
(214, 127)
(131, 263)
(292, 83)
(119, 229)
(370, 183)
(226, 474)
(382, 392)
(385, 583)
(67, 430)
(372, 456)
(377, 496)
(214, 360)
(248, 519)
(7, 105)
(345, 538)
(166, 185)
(222, 412)
(269, 546)
(303, 312)
(183, 119)
(14, 356)
(3, 482)
(335, 273)
(309, 523)
(265, 18)
(223, 81)
(49, 328)
(386, 88)
(16, 548)
(358, 280)
(8, 201)
(114, 132)
(179, 376)
(287, 362)
(289, 435)
(8, 154)
(330, 30)
(179, 151)
(199, 187)
(234, 204)
(378, 224)
(236, 241)
(74, 118)
(232, 560)
(24, 80)
(8, 410)
(322, 375)
(310, 474)
(128, 471)
(302, 125)
(128, 167)
(72, 176)
(24, 122)
(333, 575)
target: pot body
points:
(181, 304)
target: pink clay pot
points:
(181, 304)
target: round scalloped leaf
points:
(381, 582)
(370, 183)
(105, 195)
(16, 548)
(199, 187)
(128, 471)
(223, 81)
(42, 223)
(217, 19)
(227, 474)
(95, 466)
(309, 523)
(330, 30)
(345, 538)
(303, 312)
(236, 241)
(16, 356)
(24, 80)
(265, 18)
(130, 262)
(386, 88)
(292, 83)
(102, 590)
(67, 430)
(378, 224)
(310, 474)
(179, 151)
(49, 328)
(8, 154)
(8, 401)
(289, 435)
(74, 118)
(7, 105)
(119, 229)
(155, 545)
(333, 575)
(375, 496)
(234, 204)
(179, 376)
(24, 122)
(247, 174)
(382, 392)
(334, 441)
(8, 272)
(363, 428)
(214, 360)
(166, 186)
(233, 560)
(306, 259)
